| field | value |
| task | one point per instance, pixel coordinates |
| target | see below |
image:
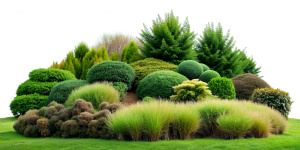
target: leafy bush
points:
(23, 103)
(61, 91)
(274, 98)
(31, 87)
(222, 87)
(95, 93)
(205, 67)
(190, 68)
(191, 90)
(147, 66)
(50, 75)
(208, 75)
(112, 71)
(159, 84)
(147, 99)
(246, 83)
(121, 88)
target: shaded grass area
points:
(9, 139)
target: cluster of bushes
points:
(78, 120)
(33, 93)
(156, 120)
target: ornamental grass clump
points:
(191, 90)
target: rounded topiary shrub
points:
(147, 66)
(23, 103)
(31, 87)
(159, 84)
(50, 75)
(190, 68)
(222, 87)
(95, 93)
(274, 98)
(208, 75)
(61, 91)
(205, 67)
(246, 83)
(111, 71)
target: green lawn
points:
(9, 139)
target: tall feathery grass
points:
(151, 121)
(95, 93)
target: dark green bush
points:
(208, 75)
(246, 83)
(147, 66)
(274, 98)
(190, 68)
(159, 84)
(31, 87)
(23, 103)
(111, 71)
(222, 87)
(61, 91)
(50, 75)
(205, 67)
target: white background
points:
(33, 34)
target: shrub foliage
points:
(190, 68)
(159, 84)
(61, 91)
(274, 98)
(50, 75)
(222, 87)
(245, 85)
(147, 66)
(208, 75)
(191, 90)
(111, 71)
(31, 87)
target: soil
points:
(130, 98)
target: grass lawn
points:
(9, 139)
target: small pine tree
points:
(251, 66)
(54, 65)
(68, 65)
(80, 51)
(104, 53)
(77, 67)
(132, 52)
(114, 56)
(88, 61)
(99, 52)
(123, 53)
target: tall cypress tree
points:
(104, 54)
(168, 40)
(132, 53)
(68, 65)
(80, 51)
(216, 50)
(88, 61)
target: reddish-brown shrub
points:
(102, 113)
(84, 118)
(103, 105)
(113, 107)
(70, 128)
(43, 126)
(82, 106)
(51, 111)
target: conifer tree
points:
(216, 51)
(104, 54)
(114, 56)
(80, 51)
(123, 54)
(168, 40)
(251, 66)
(68, 65)
(88, 61)
(132, 53)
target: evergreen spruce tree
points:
(123, 54)
(114, 56)
(251, 66)
(88, 61)
(80, 51)
(216, 51)
(104, 54)
(132, 53)
(168, 40)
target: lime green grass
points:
(9, 139)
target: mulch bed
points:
(130, 98)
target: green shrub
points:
(159, 84)
(121, 88)
(114, 56)
(61, 91)
(274, 98)
(23, 103)
(50, 75)
(148, 99)
(208, 75)
(111, 71)
(95, 93)
(205, 67)
(222, 87)
(246, 83)
(191, 90)
(190, 68)
(31, 87)
(147, 66)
